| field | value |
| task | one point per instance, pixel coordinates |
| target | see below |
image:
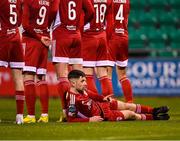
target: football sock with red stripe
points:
(30, 96)
(146, 117)
(19, 102)
(91, 83)
(106, 86)
(63, 87)
(143, 109)
(44, 95)
(127, 89)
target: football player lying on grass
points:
(85, 106)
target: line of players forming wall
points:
(149, 77)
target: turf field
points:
(134, 130)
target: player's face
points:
(81, 84)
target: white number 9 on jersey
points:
(71, 10)
(42, 15)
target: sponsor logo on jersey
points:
(43, 2)
(12, 1)
(119, 1)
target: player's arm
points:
(25, 21)
(73, 115)
(88, 11)
(53, 11)
(20, 11)
(95, 96)
(109, 21)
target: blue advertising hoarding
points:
(151, 77)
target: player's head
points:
(77, 79)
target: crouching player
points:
(83, 106)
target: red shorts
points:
(110, 111)
(11, 52)
(66, 47)
(118, 51)
(94, 50)
(36, 55)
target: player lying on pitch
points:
(85, 106)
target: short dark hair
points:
(76, 74)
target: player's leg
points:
(61, 52)
(122, 61)
(30, 96)
(42, 89)
(91, 85)
(32, 54)
(16, 63)
(19, 94)
(63, 83)
(139, 108)
(130, 115)
(101, 64)
(41, 84)
(89, 58)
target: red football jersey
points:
(121, 10)
(85, 106)
(70, 12)
(102, 9)
(35, 18)
(9, 16)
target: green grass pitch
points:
(125, 130)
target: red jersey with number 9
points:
(36, 17)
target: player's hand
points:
(46, 41)
(108, 98)
(95, 119)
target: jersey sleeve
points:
(95, 96)
(20, 11)
(53, 11)
(76, 119)
(109, 21)
(88, 11)
(73, 112)
(25, 21)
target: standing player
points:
(88, 107)
(67, 40)
(117, 32)
(94, 47)
(11, 52)
(36, 15)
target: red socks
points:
(106, 86)
(42, 88)
(19, 102)
(127, 89)
(91, 83)
(30, 96)
(143, 109)
(146, 117)
(63, 87)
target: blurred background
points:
(154, 52)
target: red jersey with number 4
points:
(36, 18)
(120, 11)
(9, 16)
